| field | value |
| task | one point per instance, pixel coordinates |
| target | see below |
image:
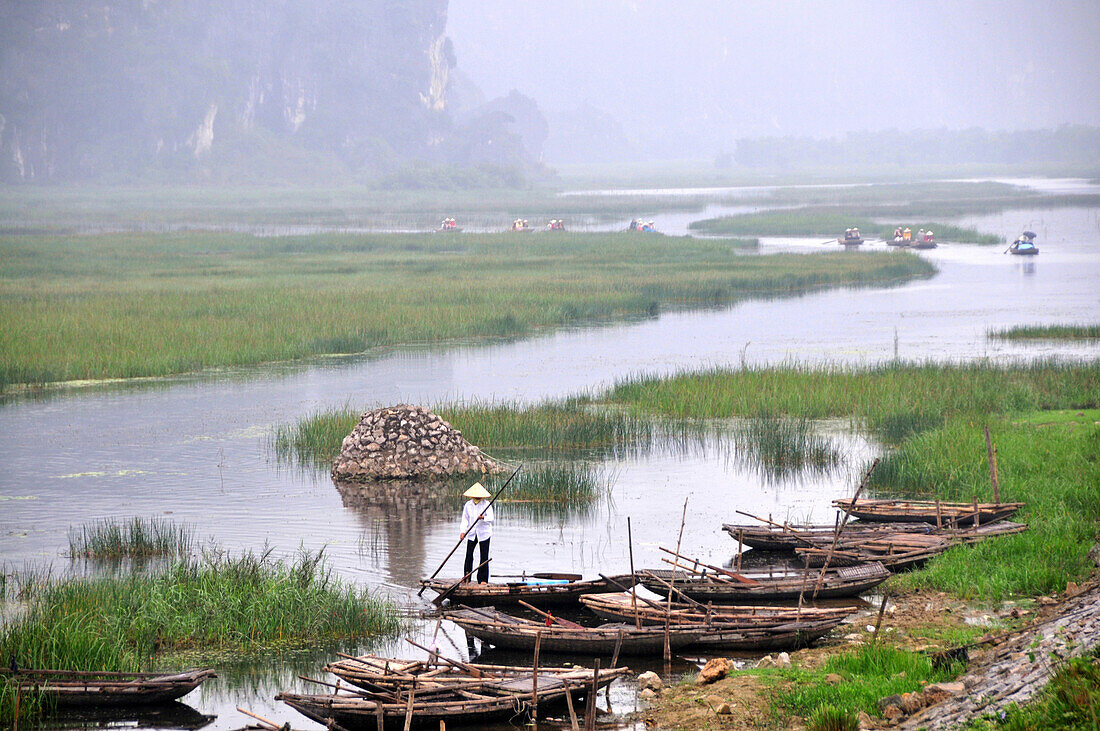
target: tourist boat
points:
(67, 688)
(541, 590)
(927, 244)
(504, 630)
(773, 583)
(430, 706)
(927, 511)
(850, 241)
(898, 241)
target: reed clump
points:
(1048, 332)
(136, 305)
(572, 483)
(782, 445)
(241, 604)
(137, 538)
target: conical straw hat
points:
(477, 490)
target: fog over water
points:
(682, 78)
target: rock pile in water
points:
(406, 443)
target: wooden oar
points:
(552, 618)
(479, 517)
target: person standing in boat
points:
(477, 528)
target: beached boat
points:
(788, 538)
(428, 704)
(541, 590)
(773, 583)
(504, 630)
(927, 511)
(66, 688)
(896, 551)
(622, 607)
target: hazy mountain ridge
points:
(221, 89)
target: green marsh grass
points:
(828, 717)
(782, 445)
(1048, 332)
(134, 305)
(832, 222)
(242, 604)
(137, 538)
(870, 673)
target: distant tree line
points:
(1074, 144)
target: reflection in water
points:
(1028, 268)
(174, 715)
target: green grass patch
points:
(242, 604)
(132, 305)
(137, 538)
(1048, 332)
(827, 222)
(782, 445)
(869, 673)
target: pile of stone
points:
(406, 443)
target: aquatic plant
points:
(132, 305)
(1047, 332)
(112, 538)
(782, 445)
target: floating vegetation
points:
(1048, 332)
(137, 538)
(782, 445)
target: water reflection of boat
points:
(67, 688)
(170, 715)
(1025, 245)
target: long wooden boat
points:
(927, 511)
(389, 676)
(504, 630)
(774, 583)
(787, 538)
(790, 636)
(854, 241)
(620, 608)
(895, 551)
(507, 698)
(541, 590)
(70, 688)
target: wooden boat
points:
(927, 511)
(853, 241)
(67, 688)
(542, 590)
(428, 706)
(504, 630)
(770, 584)
(620, 608)
(896, 551)
(789, 537)
(923, 244)
(389, 675)
(1025, 245)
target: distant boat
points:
(850, 238)
(1025, 245)
(898, 241)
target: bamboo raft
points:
(927, 511)
(895, 551)
(467, 695)
(504, 630)
(73, 688)
(771, 584)
(537, 590)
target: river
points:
(195, 448)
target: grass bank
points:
(130, 305)
(137, 538)
(826, 222)
(1048, 332)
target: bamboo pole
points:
(668, 611)
(569, 705)
(409, 711)
(992, 452)
(535, 679)
(633, 576)
(740, 547)
(261, 719)
(440, 568)
(878, 622)
(716, 569)
(840, 527)
(590, 711)
(618, 645)
(439, 599)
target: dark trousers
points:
(483, 572)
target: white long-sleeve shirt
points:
(483, 528)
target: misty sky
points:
(693, 76)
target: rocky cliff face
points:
(190, 88)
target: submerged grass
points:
(781, 445)
(138, 538)
(132, 305)
(1048, 332)
(833, 221)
